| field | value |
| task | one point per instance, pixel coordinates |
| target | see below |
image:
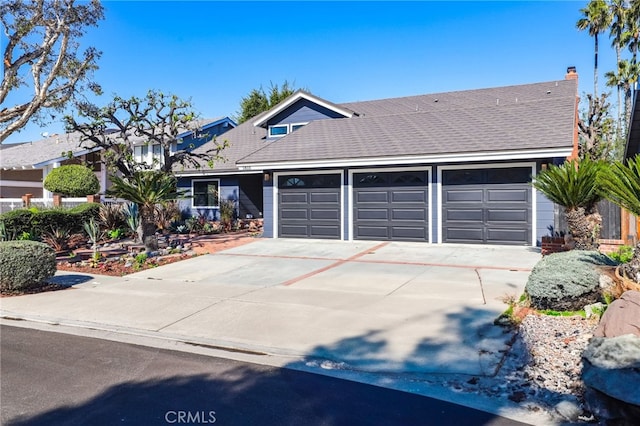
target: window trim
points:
(292, 125)
(193, 194)
(286, 126)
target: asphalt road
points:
(58, 379)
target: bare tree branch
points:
(155, 120)
(43, 42)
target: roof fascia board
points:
(216, 173)
(293, 99)
(208, 125)
(386, 161)
(59, 159)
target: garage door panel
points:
(510, 195)
(324, 231)
(372, 197)
(372, 232)
(464, 234)
(294, 198)
(293, 214)
(464, 215)
(324, 197)
(400, 196)
(517, 216)
(325, 214)
(419, 215)
(293, 231)
(464, 195)
(372, 214)
(409, 233)
(393, 206)
(506, 236)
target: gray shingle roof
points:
(34, 154)
(243, 140)
(524, 117)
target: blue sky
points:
(215, 52)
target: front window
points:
(141, 153)
(206, 193)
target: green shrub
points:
(25, 264)
(73, 180)
(39, 222)
(624, 254)
(16, 222)
(566, 281)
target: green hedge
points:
(36, 222)
(25, 264)
(73, 180)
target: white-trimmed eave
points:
(414, 159)
(63, 158)
(210, 172)
(293, 99)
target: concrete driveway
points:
(371, 306)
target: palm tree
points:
(146, 189)
(631, 35)
(573, 185)
(596, 19)
(624, 79)
(620, 184)
(618, 10)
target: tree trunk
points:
(584, 227)
(147, 229)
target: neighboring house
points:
(447, 167)
(23, 167)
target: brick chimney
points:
(572, 74)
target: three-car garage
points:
(481, 204)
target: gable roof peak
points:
(262, 119)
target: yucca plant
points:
(146, 189)
(620, 184)
(574, 185)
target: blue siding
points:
(209, 133)
(268, 212)
(229, 190)
(545, 216)
(301, 112)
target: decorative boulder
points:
(621, 317)
(566, 281)
(611, 363)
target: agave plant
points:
(131, 216)
(92, 228)
(574, 185)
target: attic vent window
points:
(276, 131)
(279, 130)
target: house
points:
(450, 167)
(23, 167)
